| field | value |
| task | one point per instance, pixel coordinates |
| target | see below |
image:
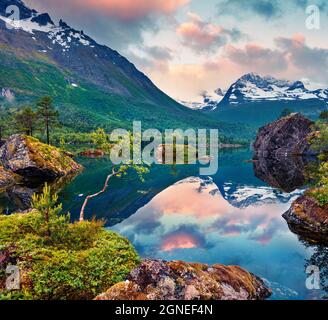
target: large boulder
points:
(31, 159)
(308, 219)
(284, 137)
(7, 178)
(177, 280)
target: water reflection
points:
(192, 221)
(18, 197)
(284, 173)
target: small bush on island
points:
(60, 260)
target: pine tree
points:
(46, 204)
(26, 120)
(48, 114)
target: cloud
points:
(117, 23)
(150, 58)
(260, 59)
(120, 9)
(264, 8)
(312, 61)
(204, 36)
(267, 9)
(185, 237)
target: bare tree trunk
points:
(114, 173)
(47, 132)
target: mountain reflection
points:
(187, 213)
(191, 220)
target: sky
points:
(188, 47)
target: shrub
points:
(73, 261)
(320, 192)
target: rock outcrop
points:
(308, 219)
(284, 137)
(7, 178)
(31, 159)
(177, 280)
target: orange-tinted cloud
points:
(203, 36)
(179, 241)
(131, 9)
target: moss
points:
(78, 261)
(46, 156)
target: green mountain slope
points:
(86, 107)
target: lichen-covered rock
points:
(30, 158)
(308, 219)
(177, 280)
(286, 136)
(7, 178)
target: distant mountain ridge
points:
(252, 88)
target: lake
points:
(232, 218)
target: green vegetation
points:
(319, 174)
(324, 115)
(86, 108)
(26, 120)
(48, 114)
(58, 259)
(54, 157)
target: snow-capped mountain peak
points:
(252, 88)
(61, 34)
(209, 102)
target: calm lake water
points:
(231, 218)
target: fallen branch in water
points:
(113, 174)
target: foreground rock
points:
(7, 178)
(308, 219)
(161, 280)
(284, 137)
(32, 159)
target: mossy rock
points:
(30, 158)
(7, 178)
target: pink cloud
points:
(201, 35)
(130, 10)
(179, 241)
